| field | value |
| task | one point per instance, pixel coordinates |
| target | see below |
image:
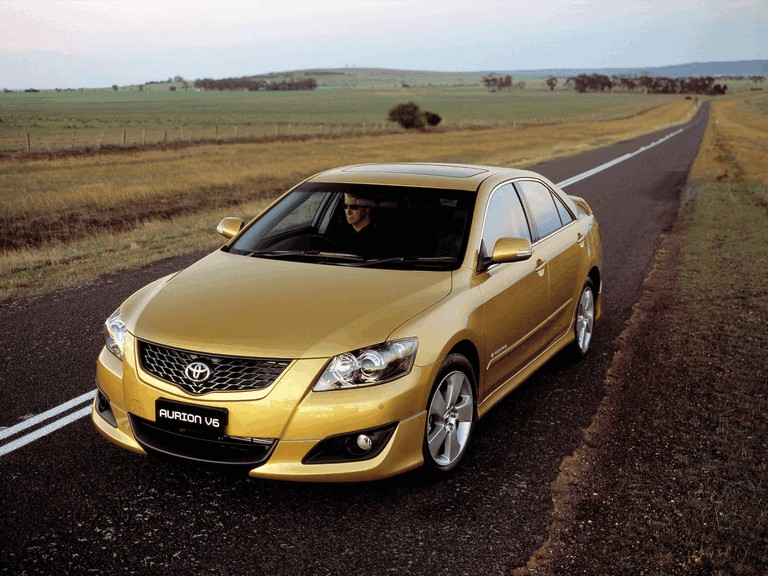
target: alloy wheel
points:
(450, 418)
(585, 319)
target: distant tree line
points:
(649, 84)
(255, 84)
(496, 83)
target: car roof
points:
(426, 175)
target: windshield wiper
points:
(311, 254)
(409, 260)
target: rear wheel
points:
(450, 415)
(585, 319)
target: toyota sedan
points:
(358, 327)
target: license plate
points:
(180, 416)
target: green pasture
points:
(51, 121)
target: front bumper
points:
(287, 414)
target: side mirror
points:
(229, 227)
(511, 250)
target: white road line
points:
(618, 160)
(28, 423)
(88, 396)
(44, 431)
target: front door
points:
(515, 294)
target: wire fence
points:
(42, 141)
(86, 140)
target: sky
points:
(96, 43)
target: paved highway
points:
(71, 503)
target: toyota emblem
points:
(198, 372)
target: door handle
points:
(540, 264)
(580, 238)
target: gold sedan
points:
(358, 327)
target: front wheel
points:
(585, 319)
(450, 415)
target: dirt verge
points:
(671, 478)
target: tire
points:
(451, 415)
(585, 320)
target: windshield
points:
(364, 225)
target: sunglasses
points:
(352, 206)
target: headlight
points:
(369, 366)
(115, 332)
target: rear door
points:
(559, 243)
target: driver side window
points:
(504, 218)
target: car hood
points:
(242, 306)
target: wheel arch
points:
(468, 349)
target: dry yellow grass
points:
(120, 186)
(736, 145)
(33, 271)
(43, 186)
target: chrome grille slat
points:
(230, 373)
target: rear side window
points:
(565, 216)
(544, 208)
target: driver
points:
(358, 216)
(362, 235)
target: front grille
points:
(227, 373)
(190, 445)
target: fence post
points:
(73, 139)
(123, 138)
(29, 144)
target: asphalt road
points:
(71, 503)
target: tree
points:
(408, 115)
(594, 82)
(551, 82)
(491, 82)
(432, 118)
(411, 117)
(496, 83)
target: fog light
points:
(364, 442)
(359, 445)
(104, 408)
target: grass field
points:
(54, 121)
(64, 219)
(347, 101)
